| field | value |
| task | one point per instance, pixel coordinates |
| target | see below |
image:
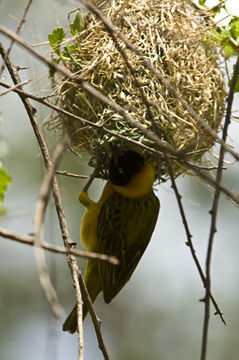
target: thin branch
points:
(39, 216)
(87, 122)
(27, 240)
(233, 195)
(22, 20)
(43, 198)
(92, 176)
(189, 243)
(14, 87)
(95, 320)
(214, 211)
(67, 173)
(79, 302)
(208, 168)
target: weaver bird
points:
(120, 224)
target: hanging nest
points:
(176, 39)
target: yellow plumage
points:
(120, 224)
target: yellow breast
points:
(140, 184)
(88, 232)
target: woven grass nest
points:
(176, 39)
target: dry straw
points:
(176, 39)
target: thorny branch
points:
(189, 243)
(214, 211)
(12, 88)
(27, 240)
(67, 173)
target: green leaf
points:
(56, 38)
(229, 50)
(65, 55)
(202, 2)
(71, 48)
(5, 180)
(217, 9)
(78, 24)
(234, 27)
(221, 37)
(225, 35)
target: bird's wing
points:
(125, 227)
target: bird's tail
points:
(70, 323)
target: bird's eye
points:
(120, 170)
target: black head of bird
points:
(124, 165)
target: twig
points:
(208, 168)
(234, 196)
(189, 242)
(95, 320)
(14, 87)
(67, 173)
(92, 176)
(86, 122)
(8, 234)
(42, 202)
(40, 210)
(22, 20)
(79, 302)
(214, 211)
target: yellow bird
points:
(121, 223)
